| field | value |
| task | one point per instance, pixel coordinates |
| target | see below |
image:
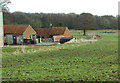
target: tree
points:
(86, 21)
(73, 21)
(3, 4)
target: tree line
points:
(71, 20)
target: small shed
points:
(57, 37)
(15, 34)
(58, 32)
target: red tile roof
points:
(52, 31)
(42, 32)
(15, 29)
(57, 30)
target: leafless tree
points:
(3, 4)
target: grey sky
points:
(96, 7)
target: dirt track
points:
(33, 45)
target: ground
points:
(77, 61)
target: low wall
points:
(57, 38)
(47, 40)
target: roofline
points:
(27, 27)
(65, 30)
(12, 34)
(59, 27)
(50, 28)
(41, 28)
(16, 25)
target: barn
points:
(42, 34)
(54, 33)
(16, 34)
(58, 32)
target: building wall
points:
(45, 36)
(67, 33)
(8, 39)
(1, 29)
(19, 39)
(57, 37)
(29, 31)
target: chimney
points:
(1, 29)
(51, 25)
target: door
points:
(14, 40)
(33, 36)
(51, 36)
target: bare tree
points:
(3, 4)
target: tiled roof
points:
(42, 32)
(57, 30)
(52, 31)
(15, 29)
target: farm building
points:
(16, 34)
(54, 33)
(42, 34)
(58, 32)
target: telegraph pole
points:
(3, 5)
(1, 29)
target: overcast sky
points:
(95, 7)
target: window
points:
(30, 36)
(42, 36)
(38, 36)
(33, 36)
(51, 36)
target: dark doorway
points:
(42, 36)
(51, 36)
(33, 36)
(38, 40)
(38, 37)
(14, 40)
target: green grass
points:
(89, 61)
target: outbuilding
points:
(59, 32)
(52, 34)
(16, 34)
(42, 34)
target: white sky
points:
(95, 7)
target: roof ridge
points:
(41, 28)
(15, 28)
(59, 27)
(16, 25)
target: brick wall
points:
(29, 31)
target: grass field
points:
(87, 61)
